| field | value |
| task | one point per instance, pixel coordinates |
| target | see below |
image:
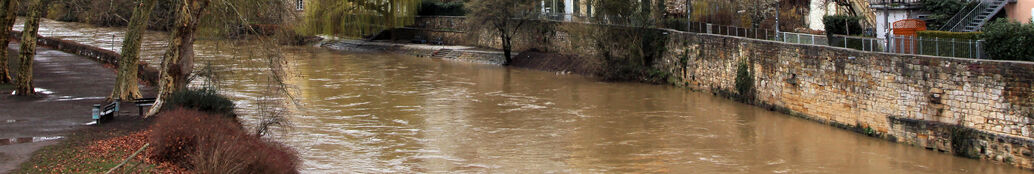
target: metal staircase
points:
(972, 18)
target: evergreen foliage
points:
(1004, 40)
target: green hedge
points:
(949, 35)
(205, 100)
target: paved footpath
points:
(70, 85)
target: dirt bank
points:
(556, 62)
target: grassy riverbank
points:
(202, 135)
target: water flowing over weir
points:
(382, 113)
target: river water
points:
(370, 112)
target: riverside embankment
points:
(976, 108)
(379, 113)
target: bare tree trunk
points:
(126, 84)
(7, 17)
(507, 49)
(505, 38)
(28, 48)
(178, 61)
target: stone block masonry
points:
(975, 108)
(931, 102)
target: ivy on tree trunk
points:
(178, 61)
(126, 83)
(7, 16)
(28, 48)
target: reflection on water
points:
(385, 113)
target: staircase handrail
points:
(996, 10)
(968, 16)
(955, 19)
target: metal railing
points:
(858, 43)
(853, 42)
(801, 38)
(898, 44)
(937, 47)
(754, 33)
(960, 20)
(895, 1)
(957, 18)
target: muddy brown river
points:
(385, 113)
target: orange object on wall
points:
(908, 29)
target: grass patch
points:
(74, 154)
(71, 158)
(96, 149)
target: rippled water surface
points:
(386, 113)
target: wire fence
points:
(937, 47)
(898, 44)
(754, 33)
(801, 38)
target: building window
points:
(300, 4)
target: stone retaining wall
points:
(146, 73)
(931, 102)
(976, 108)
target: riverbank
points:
(426, 115)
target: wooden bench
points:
(105, 113)
(143, 102)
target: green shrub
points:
(842, 24)
(1004, 40)
(949, 35)
(744, 82)
(205, 100)
(438, 8)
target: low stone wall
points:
(976, 108)
(146, 73)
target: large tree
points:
(760, 10)
(28, 48)
(7, 16)
(126, 83)
(358, 18)
(178, 61)
(501, 17)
